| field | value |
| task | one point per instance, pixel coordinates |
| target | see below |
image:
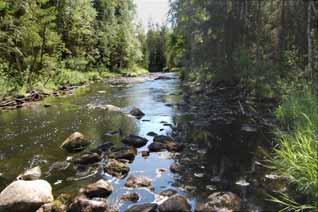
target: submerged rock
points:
(101, 188)
(31, 174)
(116, 168)
(145, 153)
(137, 112)
(75, 143)
(135, 141)
(88, 158)
(124, 153)
(25, 196)
(152, 134)
(156, 147)
(133, 197)
(147, 207)
(82, 204)
(175, 203)
(139, 181)
(221, 201)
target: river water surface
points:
(215, 158)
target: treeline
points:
(267, 49)
(255, 42)
(40, 39)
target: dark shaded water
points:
(217, 156)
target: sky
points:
(152, 10)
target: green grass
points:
(297, 154)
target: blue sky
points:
(152, 10)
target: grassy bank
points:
(64, 77)
(297, 154)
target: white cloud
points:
(155, 11)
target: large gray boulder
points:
(75, 142)
(25, 196)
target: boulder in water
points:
(137, 112)
(133, 197)
(81, 203)
(25, 196)
(116, 168)
(147, 207)
(139, 181)
(134, 140)
(221, 201)
(75, 142)
(101, 188)
(175, 203)
(88, 158)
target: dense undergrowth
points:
(297, 154)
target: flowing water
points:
(215, 158)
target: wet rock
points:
(47, 105)
(156, 147)
(112, 108)
(163, 139)
(139, 181)
(88, 158)
(147, 207)
(221, 201)
(75, 143)
(152, 134)
(133, 197)
(136, 112)
(105, 146)
(135, 141)
(101, 188)
(163, 78)
(25, 196)
(31, 174)
(175, 203)
(124, 153)
(175, 168)
(168, 192)
(116, 168)
(58, 166)
(174, 147)
(145, 153)
(82, 204)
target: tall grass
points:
(297, 154)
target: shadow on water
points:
(217, 156)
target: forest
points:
(247, 63)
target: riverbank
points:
(60, 85)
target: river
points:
(216, 157)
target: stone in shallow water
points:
(147, 207)
(138, 181)
(75, 143)
(101, 188)
(221, 201)
(135, 141)
(25, 196)
(168, 192)
(88, 158)
(137, 112)
(175, 203)
(175, 168)
(116, 168)
(133, 197)
(82, 204)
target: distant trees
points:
(249, 41)
(40, 37)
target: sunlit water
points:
(216, 157)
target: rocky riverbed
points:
(138, 144)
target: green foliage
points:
(39, 38)
(296, 157)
